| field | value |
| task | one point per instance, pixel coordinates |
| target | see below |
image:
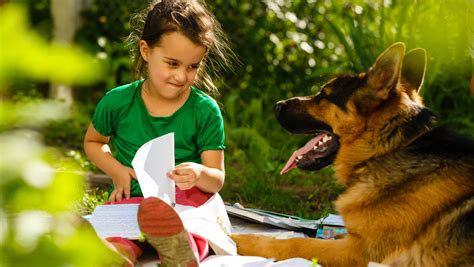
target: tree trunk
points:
(66, 20)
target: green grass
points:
(91, 198)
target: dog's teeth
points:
(326, 138)
(319, 148)
(299, 157)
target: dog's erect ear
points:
(382, 79)
(413, 70)
(384, 74)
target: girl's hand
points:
(122, 182)
(186, 175)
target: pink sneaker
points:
(164, 230)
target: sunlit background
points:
(59, 57)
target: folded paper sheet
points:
(151, 163)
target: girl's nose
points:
(180, 76)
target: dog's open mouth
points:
(316, 154)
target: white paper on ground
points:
(251, 261)
(151, 163)
(242, 226)
(116, 220)
(333, 219)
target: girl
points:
(178, 40)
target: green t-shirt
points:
(122, 115)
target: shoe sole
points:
(164, 230)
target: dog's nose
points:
(279, 107)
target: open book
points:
(283, 221)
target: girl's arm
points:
(208, 176)
(98, 151)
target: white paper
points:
(332, 219)
(116, 220)
(151, 163)
(210, 220)
(242, 226)
(252, 261)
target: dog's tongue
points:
(291, 164)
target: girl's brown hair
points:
(191, 18)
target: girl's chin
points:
(175, 96)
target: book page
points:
(282, 220)
(116, 220)
(151, 163)
(253, 261)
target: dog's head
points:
(346, 106)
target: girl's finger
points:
(133, 174)
(112, 197)
(182, 165)
(182, 171)
(180, 178)
(119, 194)
(184, 186)
(127, 193)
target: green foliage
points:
(55, 60)
(287, 48)
(91, 199)
(440, 29)
(38, 187)
(107, 39)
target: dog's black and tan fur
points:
(410, 185)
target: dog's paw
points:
(250, 245)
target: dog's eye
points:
(322, 94)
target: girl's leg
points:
(164, 230)
(191, 197)
(125, 247)
(200, 245)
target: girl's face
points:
(172, 65)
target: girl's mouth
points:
(177, 84)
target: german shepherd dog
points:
(409, 198)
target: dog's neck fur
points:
(386, 135)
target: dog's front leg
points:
(341, 252)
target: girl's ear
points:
(144, 50)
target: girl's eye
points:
(194, 67)
(172, 63)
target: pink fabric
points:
(132, 200)
(129, 247)
(200, 245)
(191, 197)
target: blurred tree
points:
(38, 189)
(66, 21)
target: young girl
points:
(178, 40)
